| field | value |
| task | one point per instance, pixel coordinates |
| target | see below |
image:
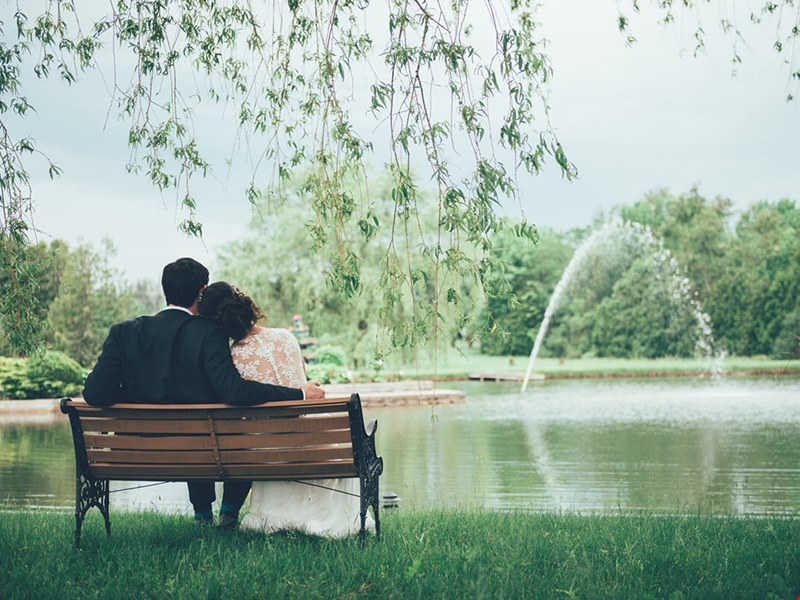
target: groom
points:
(174, 358)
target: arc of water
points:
(644, 237)
(577, 259)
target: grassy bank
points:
(422, 555)
(452, 365)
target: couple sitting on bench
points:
(176, 357)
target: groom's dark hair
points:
(182, 281)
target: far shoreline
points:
(496, 370)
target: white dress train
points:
(273, 356)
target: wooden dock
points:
(397, 393)
(505, 376)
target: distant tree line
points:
(80, 295)
(744, 270)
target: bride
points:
(271, 355)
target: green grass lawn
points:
(453, 554)
(455, 365)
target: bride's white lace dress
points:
(273, 356)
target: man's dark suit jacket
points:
(173, 358)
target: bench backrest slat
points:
(138, 442)
(145, 426)
(221, 426)
(241, 442)
(148, 472)
(283, 425)
(293, 455)
(290, 455)
(163, 457)
(190, 412)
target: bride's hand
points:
(313, 391)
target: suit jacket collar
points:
(179, 308)
(173, 313)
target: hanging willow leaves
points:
(450, 97)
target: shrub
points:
(13, 378)
(51, 375)
(330, 355)
(54, 374)
(328, 373)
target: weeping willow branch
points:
(454, 94)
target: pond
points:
(725, 446)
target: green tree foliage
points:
(622, 303)
(457, 90)
(747, 276)
(277, 265)
(40, 279)
(290, 75)
(54, 374)
(149, 296)
(48, 375)
(572, 332)
(519, 292)
(694, 229)
(643, 317)
(92, 297)
(759, 291)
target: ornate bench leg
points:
(364, 505)
(89, 493)
(375, 508)
(370, 497)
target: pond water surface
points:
(727, 446)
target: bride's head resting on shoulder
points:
(235, 312)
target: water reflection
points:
(723, 446)
(727, 446)
(36, 464)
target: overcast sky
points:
(631, 119)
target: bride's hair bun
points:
(235, 312)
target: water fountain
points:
(633, 237)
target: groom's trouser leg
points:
(235, 492)
(201, 495)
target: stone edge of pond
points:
(406, 393)
(32, 406)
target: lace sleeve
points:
(270, 356)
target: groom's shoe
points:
(227, 521)
(203, 517)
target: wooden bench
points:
(218, 442)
